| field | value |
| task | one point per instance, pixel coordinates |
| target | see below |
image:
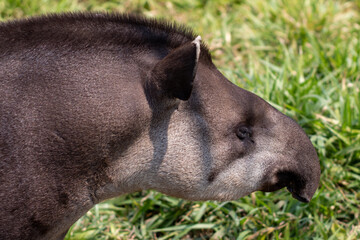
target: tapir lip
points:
(297, 196)
(299, 187)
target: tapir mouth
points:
(294, 183)
(297, 195)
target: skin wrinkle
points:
(158, 133)
(203, 136)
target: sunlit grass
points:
(303, 56)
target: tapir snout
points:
(298, 166)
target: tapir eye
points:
(243, 132)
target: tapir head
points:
(213, 140)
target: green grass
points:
(303, 56)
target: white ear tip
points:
(197, 40)
(197, 44)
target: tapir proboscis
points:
(97, 105)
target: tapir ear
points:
(173, 75)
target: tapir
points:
(95, 105)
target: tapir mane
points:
(77, 31)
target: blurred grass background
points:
(303, 56)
